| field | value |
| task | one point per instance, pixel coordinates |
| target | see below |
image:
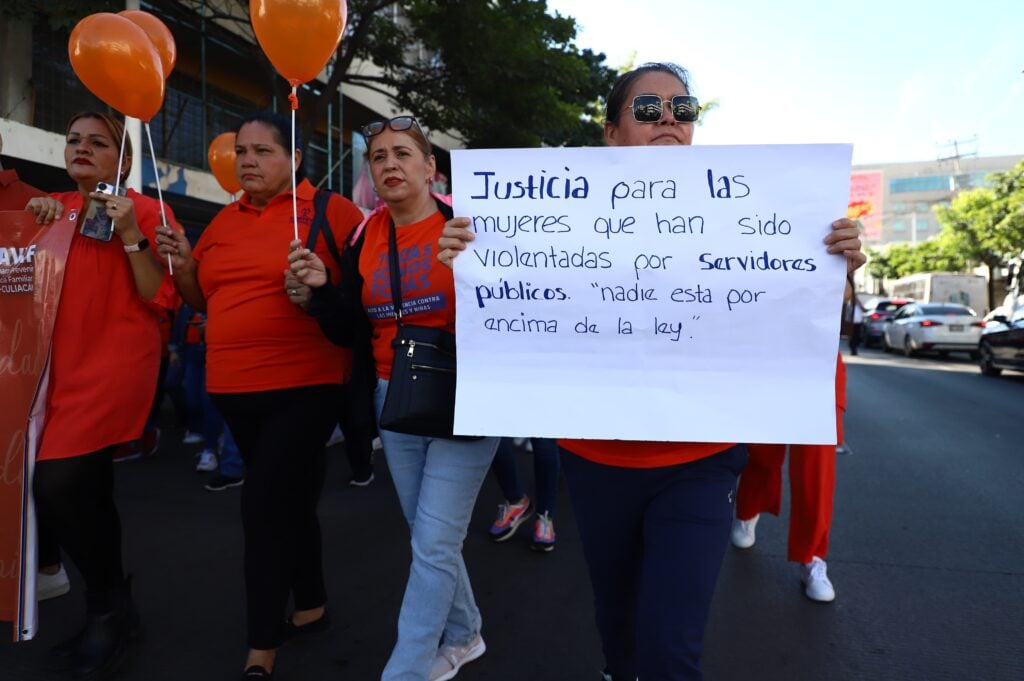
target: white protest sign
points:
(650, 293)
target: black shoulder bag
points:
(421, 392)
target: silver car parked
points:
(933, 327)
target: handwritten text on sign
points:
(650, 293)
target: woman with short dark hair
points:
(272, 374)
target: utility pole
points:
(955, 182)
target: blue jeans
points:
(229, 460)
(193, 382)
(437, 482)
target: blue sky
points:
(896, 78)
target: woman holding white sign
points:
(654, 517)
(437, 478)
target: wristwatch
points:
(142, 245)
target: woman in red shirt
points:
(96, 399)
(272, 374)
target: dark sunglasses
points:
(648, 108)
(398, 124)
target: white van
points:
(945, 287)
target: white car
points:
(933, 327)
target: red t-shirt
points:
(428, 287)
(15, 194)
(106, 343)
(637, 454)
(256, 338)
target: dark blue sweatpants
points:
(654, 540)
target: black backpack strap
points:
(322, 225)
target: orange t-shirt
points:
(256, 338)
(428, 287)
(106, 343)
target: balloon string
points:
(294, 99)
(159, 192)
(120, 159)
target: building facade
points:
(214, 85)
(896, 201)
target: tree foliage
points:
(988, 223)
(496, 73)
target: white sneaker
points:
(817, 586)
(207, 461)
(378, 446)
(191, 438)
(337, 437)
(450, 659)
(743, 536)
(50, 586)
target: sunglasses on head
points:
(398, 124)
(648, 108)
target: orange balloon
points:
(118, 63)
(222, 161)
(298, 36)
(163, 39)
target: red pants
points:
(812, 482)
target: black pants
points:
(855, 336)
(75, 503)
(281, 435)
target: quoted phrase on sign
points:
(653, 274)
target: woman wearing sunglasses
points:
(437, 479)
(272, 374)
(654, 517)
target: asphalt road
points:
(927, 558)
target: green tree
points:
(971, 221)
(941, 254)
(1008, 211)
(494, 72)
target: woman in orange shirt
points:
(272, 374)
(437, 479)
(96, 398)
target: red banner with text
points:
(32, 259)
